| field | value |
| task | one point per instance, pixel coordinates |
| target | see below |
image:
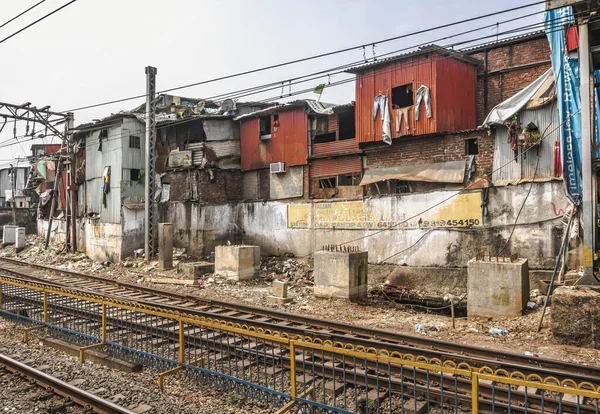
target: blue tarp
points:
(597, 106)
(566, 75)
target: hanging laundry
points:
(105, 184)
(514, 129)
(380, 104)
(399, 114)
(423, 94)
(471, 167)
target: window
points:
(471, 146)
(20, 204)
(390, 187)
(265, 127)
(134, 142)
(349, 179)
(319, 139)
(103, 133)
(134, 175)
(322, 126)
(328, 182)
(402, 96)
(346, 125)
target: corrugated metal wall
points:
(116, 154)
(335, 166)
(456, 95)
(506, 170)
(289, 144)
(334, 147)
(452, 89)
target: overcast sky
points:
(96, 50)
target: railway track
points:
(301, 325)
(52, 393)
(233, 355)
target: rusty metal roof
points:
(420, 51)
(506, 41)
(311, 106)
(443, 172)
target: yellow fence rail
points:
(294, 370)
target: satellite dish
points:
(227, 105)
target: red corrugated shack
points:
(447, 77)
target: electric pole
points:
(150, 242)
(586, 155)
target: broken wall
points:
(280, 227)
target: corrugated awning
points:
(443, 172)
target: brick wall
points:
(198, 186)
(511, 67)
(434, 149)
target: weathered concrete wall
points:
(536, 237)
(133, 231)
(103, 240)
(287, 185)
(58, 232)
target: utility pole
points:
(150, 242)
(13, 176)
(69, 125)
(586, 155)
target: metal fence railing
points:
(296, 374)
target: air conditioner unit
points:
(277, 167)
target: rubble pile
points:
(294, 271)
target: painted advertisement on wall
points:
(450, 210)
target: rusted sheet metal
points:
(335, 166)
(335, 147)
(179, 159)
(443, 172)
(452, 89)
(289, 143)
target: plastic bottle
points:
(420, 328)
(531, 354)
(496, 331)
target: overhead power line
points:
(318, 56)
(21, 14)
(37, 21)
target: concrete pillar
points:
(341, 275)
(20, 239)
(497, 288)
(237, 262)
(165, 245)
(9, 234)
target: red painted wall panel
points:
(335, 166)
(288, 144)
(335, 147)
(444, 81)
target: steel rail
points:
(77, 395)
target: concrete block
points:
(412, 406)
(279, 289)
(194, 270)
(9, 234)
(237, 262)
(575, 316)
(19, 238)
(340, 275)
(497, 289)
(165, 245)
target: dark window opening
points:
(319, 139)
(275, 117)
(346, 125)
(134, 175)
(391, 187)
(402, 96)
(265, 127)
(103, 133)
(20, 204)
(322, 126)
(134, 142)
(349, 179)
(471, 146)
(329, 182)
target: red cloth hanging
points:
(557, 160)
(572, 38)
